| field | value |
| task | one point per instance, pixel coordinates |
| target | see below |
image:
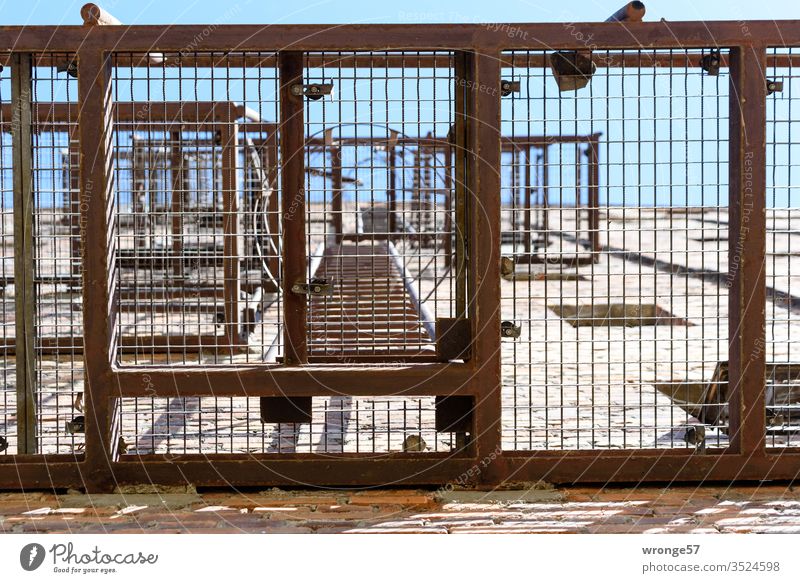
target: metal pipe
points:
(94, 15)
(631, 12)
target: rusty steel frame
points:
(100, 468)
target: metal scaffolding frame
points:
(459, 382)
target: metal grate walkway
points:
(372, 308)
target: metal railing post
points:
(97, 209)
(24, 295)
(747, 248)
(483, 247)
(295, 261)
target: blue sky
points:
(15, 12)
(668, 150)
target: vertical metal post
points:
(428, 194)
(483, 141)
(545, 194)
(140, 183)
(230, 211)
(747, 248)
(336, 192)
(461, 180)
(295, 260)
(448, 201)
(24, 296)
(528, 197)
(179, 191)
(271, 164)
(391, 189)
(594, 194)
(579, 194)
(97, 209)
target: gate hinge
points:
(313, 91)
(510, 330)
(68, 67)
(508, 87)
(774, 86)
(315, 287)
(77, 425)
(710, 63)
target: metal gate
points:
(396, 256)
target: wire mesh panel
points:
(614, 242)
(58, 312)
(783, 240)
(379, 224)
(8, 395)
(338, 425)
(196, 220)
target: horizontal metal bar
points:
(605, 58)
(639, 466)
(272, 380)
(530, 36)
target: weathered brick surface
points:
(771, 509)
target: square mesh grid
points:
(379, 202)
(197, 209)
(8, 371)
(58, 311)
(783, 241)
(615, 196)
(346, 425)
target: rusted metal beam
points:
(529, 36)
(483, 148)
(747, 248)
(639, 466)
(320, 380)
(293, 469)
(232, 244)
(97, 200)
(295, 261)
(24, 290)
(40, 472)
(608, 58)
(461, 169)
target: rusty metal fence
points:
(370, 255)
